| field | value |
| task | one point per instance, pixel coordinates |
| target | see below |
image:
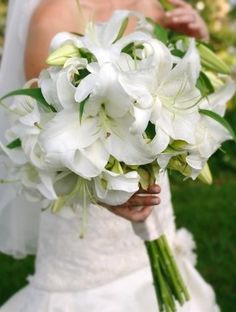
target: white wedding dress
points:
(107, 270)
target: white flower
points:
(210, 134)
(27, 127)
(103, 39)
(114, 189)
(166, 92)
(69, 143)
(57, 83)
(103, 88)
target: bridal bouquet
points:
(110, 113)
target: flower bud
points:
(205, 175)
(178, 144)
(117, 167)
(179, 164)
(210, 60)
(60, 55)
(144, 178)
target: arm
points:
(50, 17)
(185, 19)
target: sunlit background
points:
(209, 212)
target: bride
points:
(108, 270)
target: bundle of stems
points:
(168, 283)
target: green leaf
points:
(84, 53)
(122, 29)
(220, 120)
(82, 73)
(35, 93)
(177, 52)
(150, 130)
(161, 33)
(204, 85)
(14, 144)
(128, 49)
(81, 107)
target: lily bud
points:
(178, 144)
(205, 176)
(117, 167)
(144, 178)
(179, 164)
(60, 55)
(210, 60)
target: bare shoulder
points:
(49, 18)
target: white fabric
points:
(107, 270)
(18, 219)
(154, 226)
(151, 228)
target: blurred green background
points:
(209, 212)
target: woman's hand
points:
(139, 206)
(186, 20)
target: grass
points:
(13, 274)
(209, 212)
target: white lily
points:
(104, 40)
(170, 91)
(57, 85)
(210, 134)
(69, 143)
(175, 110)
(114, 189)
(27, 127)
(125, 146)
(63, 38)
(103, 88)
(16, 155)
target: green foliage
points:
(14, 144)
(34, 93)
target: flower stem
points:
(177, 274)
(169, 271)
(168, 283)
(163, 291)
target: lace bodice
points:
(109, 250)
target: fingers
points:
(145, 200)
(139, 206)
(178, 13)
(133, 215)
(186, 20)
(153, 189)
(180, 3)
(181, 16)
